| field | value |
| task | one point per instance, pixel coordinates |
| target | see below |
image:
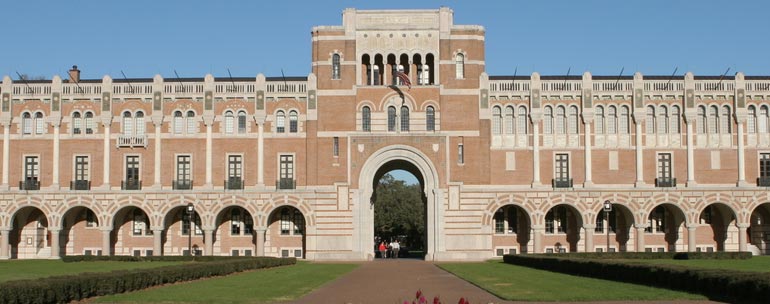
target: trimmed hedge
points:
(653, 255)
(125, 258)
(65, 289)
(718, 284)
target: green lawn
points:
(517, 283)
(267, 285)
(33, 269)
(757, 263)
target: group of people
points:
(389, 250)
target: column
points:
(588, 182)
(261, 240)
(106, 243)
(535, 154)
(208, 240)
(639, 154)
(209, 121)
(640, 237)
(741, 157)
(157, 241)
(742, 243)
(691, 238)
(261, 154)
(690, 155)
(4, 243)
(55, 170)
(157, 183)
(6, 152)
(589, 234)
(106, 160)
(537, 232)
(55, 238)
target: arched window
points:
(128, 123)
(26, 123)
(762, 120)
(191, 123)
(139, 123)
(509, 120)
(460, 66)
(336, 66)
(178, 122)
(751, 123)
(241, 122)
(713, 119)
(548, 121)
(724, 121)
(521, 120)
(293, 121)
(391, 118)
(662, 127)
(599, 127)
(404, 118)
(701, 120)
(561, 118)
(89, 123)
(430, 119)
(497, 118)
(612, 120)
(623, 120)
(39, 123)
(675, 120)
(366, 119)
(77, 123)
(280, 122)
(650, 123)
(573, 120)
(229, 120)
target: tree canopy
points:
(399, 211)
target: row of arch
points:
(383, 70)
(400, 121)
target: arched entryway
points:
(511, 230)
(716, 229)
(759, 230)
(234, 233)
(665, 230)
(80, 232)
(399, 210)
(29, 235)
(285, 235)
(184, 232)
(617, 224)
(418, 164)
(563, 224)
(131, 233)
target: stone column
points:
(588, 182)
(208, 240)
(640, 237)
(690, 154)
(106, 155)
(157, 241)
(261, 153)
(106, 242)
(741, 153)
(535, 154)
(157, 123)
(260, 231)
(4, 243)
(6, 153)
(589, 234)
(55, 238)
(742, 242)
(209, 121)
(56, 123)
(537, 233)
(639, 153)
(692, 238)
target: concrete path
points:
(396, 281)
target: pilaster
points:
(4, 243)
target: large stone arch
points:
(286, 200)
(363, 213)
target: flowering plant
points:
(419, 298)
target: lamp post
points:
(190, 212)
(607, 210)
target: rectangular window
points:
(183, 172)
(561, 171)
(235, 222)
(234, 166)
(286, 176)
(665, 178)
(764, 170)
(138, 223)
(285, 222)
(499, 221)
(132, 173)
(460, 154)
(31, 169)
(186, 224)
(336, 147)
(81, 168)
(513, 220)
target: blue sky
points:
(142, 38)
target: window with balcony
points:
(234, 172)
(764, 170)
(31, 174)
(562, 177)
(183, 173)
(665, 172)
(132, 129)
(133, 179)
(82, 179)
(286, 172)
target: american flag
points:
(404, 79)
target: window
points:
(623, 120)
(191, 123)
(391, 118)
(497, 118)
(186, 223)
(366, 119)
(127, 124)
(286, 174)
(132, 181)
(183, 172)
(724, 121)
(751, 123)
(599, 127)
(336, 147)
(229, 121)
(285, 221)
(556, 218)
(509, 120)
(178, 122)
(764, 170)
(612, 118)
(26, 123)
(506, 220)
(763, 120)
(139, 222)
(662, 127)
(299, 222)
(404, 119)
(39, 123)
(573, 120)
(560, 123)
(376, 75)
(499, 221)
(561, 171)
(423, 75)
(601, 220)
(460, 153)
(81, 172)
(521, 121)
(665, 178)
(701, 120)
(460, 66)
(657, 220)
(280, 122)
(293, 122)
(140, 123)
(713, 117)
(235, 221)
(89, 123)
(234, 166)
(90, 218)
(292, 221)
(241, 122)
(650, 123)
(31, 172)
(675, 125)
(77, 123)
(336, 66)
(430, 118)
(548, 121)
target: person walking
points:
(383, 249)
(395, 249)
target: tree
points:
(399, 212)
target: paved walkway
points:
(396, 281)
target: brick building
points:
(286, 166)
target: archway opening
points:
(562, 229)
(718, 221)
(400, 211)
(512, 230)
(285, 236)
(184, 233)
(617, 225)
(131, 233)
(80, 232)
(234, 233)
(29, 237)
(759, 231)
(665, 226)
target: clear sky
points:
(147, 37)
